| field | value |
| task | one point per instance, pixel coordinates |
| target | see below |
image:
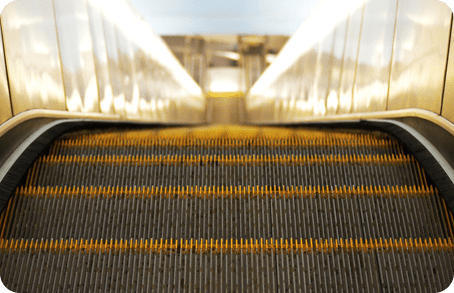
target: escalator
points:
(227, 208)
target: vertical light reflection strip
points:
(109, 16)
(420, 55)
(76, 51)
(32, 56)
(370, 92)
(5, 100)
(100, 57)
(448, 95)
(305, 38)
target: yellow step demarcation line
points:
(226, 246)
(244, 192)
(226, 133)
(229, 159)
(236, 192)
(226, 160)
(114, 141)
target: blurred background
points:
(225, 63)
(225, 67)
(225, 45)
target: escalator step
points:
(226, 209)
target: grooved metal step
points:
(226, 209)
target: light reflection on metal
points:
(224, 79)
(129, 44)
(337, 53)
(76, 51)
(226, 54)
(169, 61)
(99, 42)
(144, 66)
(307, 78)
(448, 95)
(322, 72)
(5, 102)
(332, 102)
(270, 58)
(374, 56)
(419, 59)
(32, 56)
(349, 60)
(114, 66)
(126, 58)
(395, 64)
(100, 57)
(304, 39)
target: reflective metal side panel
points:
(143, 66)
(294, 90)
(76, 50)
(322, 73)
(114, 67)
(181, 99)
(374, 56)
(32, 56)
(349, 61)
(5, 101)
(420, 54)
(135, 39)
(100, 57)
(282, 90)
(126, 58)
(332, 99)
(149, 94)
(308, 78)
(447, 110)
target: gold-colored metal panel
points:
(114, 66)
(420, 55)
(265, 113)
(304, 105)
(32, 56)
(302, 76)
(294, 88)
(347, 78)
(148, 92)
(143, 66)
(322, 74)
(100, 57)
(159, 93)
(332, 99)
(5, 101)
(143, 69)
(374, 56)
(126, 58)
(76, 51)
(177, 97)
(447, 110)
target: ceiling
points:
(254, 17)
